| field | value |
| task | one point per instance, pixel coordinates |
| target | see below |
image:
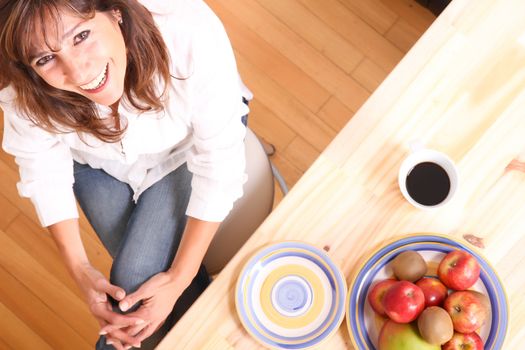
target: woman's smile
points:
(97, 84)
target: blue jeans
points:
(142, 238)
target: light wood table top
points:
(460, 90)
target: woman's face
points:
(91, 56)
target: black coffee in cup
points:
(428, 183)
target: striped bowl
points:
(290, 295)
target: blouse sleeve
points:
(45, 165)
(217, 158)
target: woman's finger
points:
(146, 332)
(134, 331)
(133, 298)
(104, 286)
(101, 322)
(131, 330)
(124, 338)
(116, 344)
(114, 318)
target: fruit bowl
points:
(364, 324)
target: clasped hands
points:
(158, 296)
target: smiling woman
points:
(133, 109)
(67, 44)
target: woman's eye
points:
(80, 37)
(43, 60)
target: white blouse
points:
(201, 125)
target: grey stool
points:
(250, 210)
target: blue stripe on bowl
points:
(277, 251)
(362, 283)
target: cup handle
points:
(415, 145)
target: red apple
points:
(402, 336)
(435, 292)
(468, 310)
(458, 270)
(469, 341)
(403, 301)
(377, 294)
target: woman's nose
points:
(76, 69)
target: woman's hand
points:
(159, 293)
(93, 284)
(158, 296)
(96, 289)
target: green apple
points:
(402, 336)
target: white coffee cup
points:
(420, 157)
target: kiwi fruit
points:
(409, 266)
(435, 325)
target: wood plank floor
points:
(310, 63)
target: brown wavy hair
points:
(60, 111)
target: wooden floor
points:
(310, 63)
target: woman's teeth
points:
(97, 82)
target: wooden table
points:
(460, 90)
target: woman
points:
(133, 108)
